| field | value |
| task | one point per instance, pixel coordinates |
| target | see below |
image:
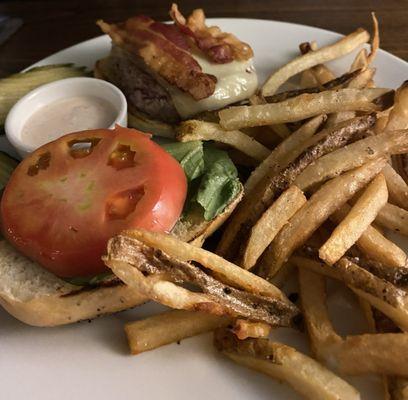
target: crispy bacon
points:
(164, 52)
(219, 46)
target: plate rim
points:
(217, 20)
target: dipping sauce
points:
(67, 115)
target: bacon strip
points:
(164, 51)
(219, 46)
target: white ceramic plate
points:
(90, 360)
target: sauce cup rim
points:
(16, 119)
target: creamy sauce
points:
(236, 81)
(67, 115)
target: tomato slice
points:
(64, 201)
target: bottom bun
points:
(143, 123)
(65, 309)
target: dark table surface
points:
(52, 25)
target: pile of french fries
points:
(318, 206)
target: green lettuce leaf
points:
(190, 155)
(212, 177)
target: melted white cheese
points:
(236, 81)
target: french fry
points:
(270, 223)
(356, 222)
(398, 276)
(342, 47)
(352, 156)
(397, 188)
(217, 298)
(284, 363)
(390, 300)
(169, 327)
(199, 130)
(375, 41)
(300, 107)
(380, 124)
(398, 118)
(394, 218)
(358, 82)
(382, 295)
(374, 244)
(249, 211)
(333, 83)
(319, 207)
(322, 73)
(156, 264)
(186, 252)
(372, 349)
(284, 153)
(393, 386)
(383, 353)
(323, 338)
(308, 79)
(280, 129)
(244, 329)
(360, 61)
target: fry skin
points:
(310, 59)
(319, 207)
(169, 327)
(356, 222)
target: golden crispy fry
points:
(356, 222)
(358, 82)
(300, 107)
(334, 83)
(352, 156)
(268, 188)
(162, 291)
(374, 244)
(169, 327)
(308, 79)
(280, 129)
(131, 260)
(270, 223)
(361, 60)
(390, 300)
(393, 386)
(375, 41)
(380, 124)
(397, 188)
(394, 218)
(244, 329)
(200, 130)
(320, 206)
(223, 268)
(284, 153)
(322, 73)
(398, 118)
(310, 59)
(323, 338)
(385, 353)
(284, 363)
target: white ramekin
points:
(57, 90)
